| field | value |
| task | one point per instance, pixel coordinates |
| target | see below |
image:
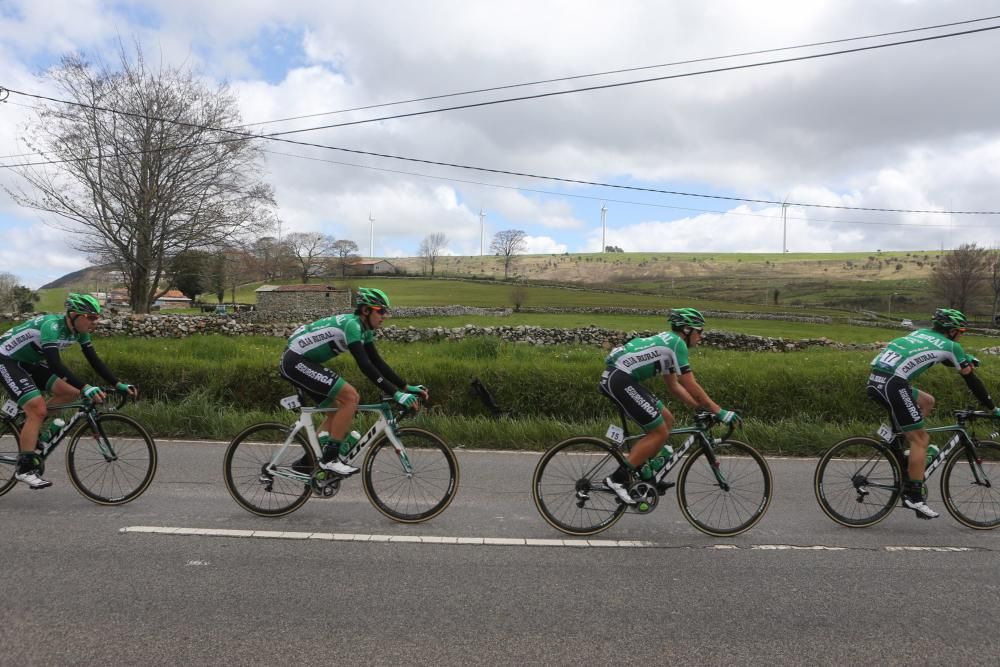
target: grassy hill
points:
(807, 283)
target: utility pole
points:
(482, 230)
(604, 227)
(784, 226)
(371, 235)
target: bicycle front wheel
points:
(417, 494)
(9, 449)
(568, 486)
(971, 487)
(858, 482)
(260, 477)
(115, 464)
(727, 500)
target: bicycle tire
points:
(973, 504)
(244, 472)
(419, 495)
(858, 482)
(10, 446)
(568, 486)
(116, 481)
(718, 511)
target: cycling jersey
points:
(643, 358)
(909, 356)
(324, 339)
(25, 341)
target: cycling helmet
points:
(681, 318)
(82, 303)
(946, 319)
(369, 296)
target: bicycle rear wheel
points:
(115, 464)
(251, 480)
(418, 495)
(9, 448)
(858, 482)
(733, 505)
(971, 489)
(568, 486)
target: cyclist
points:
(30, 363)
(902, 361)
(312, 344)
(639, 359)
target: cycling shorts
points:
(899, 398)
(318, 381)
(637, 401)
(22, 380)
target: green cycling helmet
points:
(946, 319)
(82, 303)
(681, 318)
(369, 296)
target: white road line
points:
(508, 541)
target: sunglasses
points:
(381, 310)
(89, 316)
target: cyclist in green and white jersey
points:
(312, 344)
(903, 361)
(30, 364)
(639, 359)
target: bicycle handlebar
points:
(972, 415)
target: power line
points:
(280, 136)
(640, 68)
(612, 201)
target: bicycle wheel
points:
(729, 507)
(255, 484)
(858, 482)
(568, 486)
(113, 465)
(9, 448)
(419, 495)
(971, 490)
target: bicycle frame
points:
(698, 433)
(961, 437)
(385, 424)
(85, 410)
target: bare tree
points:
(962, 275)
(507, 244)
(431, 248)
(310, 250)
(518, 296)
(345, 252)
(138, 168)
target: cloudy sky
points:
(909, 127)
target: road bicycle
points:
(111, 458)
(410, 475)
(723, 486)
(859, 481)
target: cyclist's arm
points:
(90, 354)
(696, 394)
(382, 366)
(977, 388)
(55, 364)
(385, 385)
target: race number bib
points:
(615, 434)
(9, 408)
(291, 402)
(885, 432)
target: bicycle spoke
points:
(115, 463)
(420, 494)
(857, 482)
(725, 509)
(971, 492)
(255, 470)
(568, 487)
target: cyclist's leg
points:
(346, 399)
(644, 409)
(17, 378)
(62, 391)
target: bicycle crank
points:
(646, 497)
(324, 485)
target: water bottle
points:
(655, 464)
(54, 428)
(932, 452)
(347, 444)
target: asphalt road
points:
(80, 590)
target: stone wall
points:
(328, 301)
(251, 324)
